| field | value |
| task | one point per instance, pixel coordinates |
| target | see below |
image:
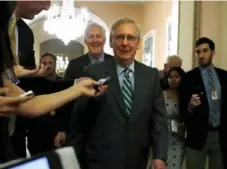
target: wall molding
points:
(196, 29)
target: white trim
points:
(168, 45)
(150, 34)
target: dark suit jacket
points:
(104, 138)
(6, 11)
(77, 65)
(26, 42)
(60, 122)
(197, 120)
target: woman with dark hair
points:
(176, 130)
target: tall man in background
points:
(94, 38)
(203, 108)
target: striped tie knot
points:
(127, 71)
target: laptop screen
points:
(40, 163)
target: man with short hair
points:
(202, 106)
(49, 60)
(172, 61)
(49, 131)
(117, 129)
(94, 38)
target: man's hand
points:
(158, 164)
(195, 101)
(20, 71)
(60, 139)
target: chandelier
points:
(61, 64)
(66, 23)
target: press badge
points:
(52, 113)
(214, 95)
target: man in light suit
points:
(116, 130)
(95, 40)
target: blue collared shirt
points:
(121, 74)
(217, 88)
(94, 59)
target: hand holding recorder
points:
(89, 87)
(195, 100)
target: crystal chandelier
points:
(61, 64)
(66, 23)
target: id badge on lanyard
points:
(214, 95)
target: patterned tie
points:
(127, 92)
(213, 102)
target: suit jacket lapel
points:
(140, 90)
(105, 56)
(200, 87)
(114, 85)
(86, 61)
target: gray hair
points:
(89, 25)
(173, 57)
(124, 20)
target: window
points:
(169, 38)
(149, 48)
(172, 30)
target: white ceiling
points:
(44, 13)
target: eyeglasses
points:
(130, 38)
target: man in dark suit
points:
(95, 39)
(49, 131)
(117, 129)
(202, 96)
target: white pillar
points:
(186, 33)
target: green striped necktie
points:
(127, 92)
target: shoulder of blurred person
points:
(77, 65)
(26, 51)
(6, 12)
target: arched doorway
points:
(41, 36)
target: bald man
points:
(172, 61)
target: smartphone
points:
(102, 82)
(29, 93)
